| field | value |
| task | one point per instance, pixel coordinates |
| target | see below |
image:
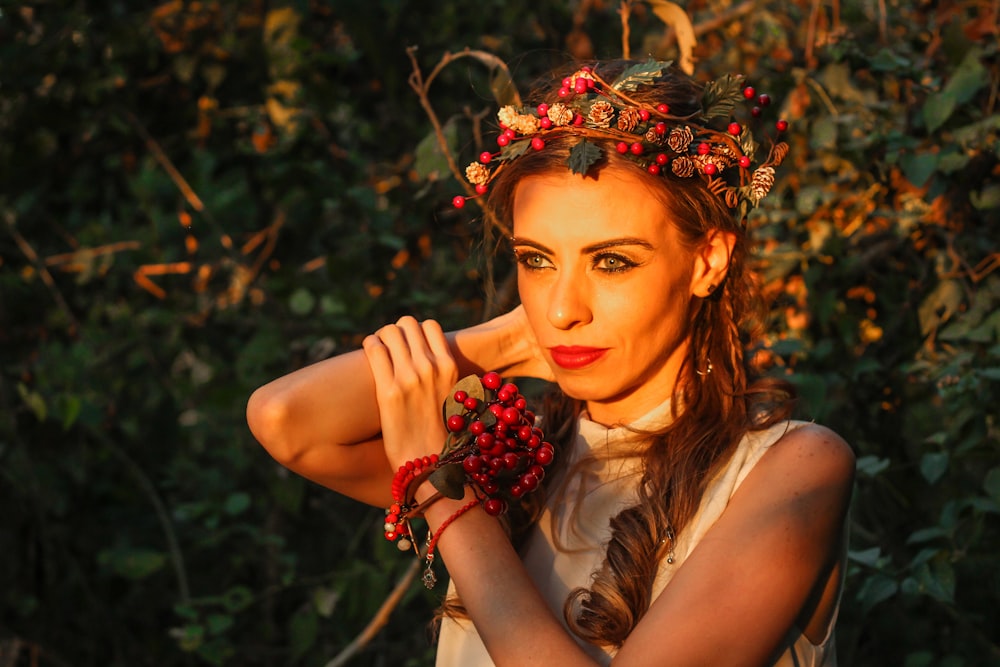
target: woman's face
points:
(606, 286)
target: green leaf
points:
(301, 302)
(514, 149)
(991, 483)
(937, 109)
(987, 198)
(933, 465)
(218, 623)
(449, 480)
(969, 77)
(872, 465)
(431, 163)
(303, 629)
(918, 167)
(640, 75)
(134, 564)
(721, 95)
(867, 557)
(583, 156)
(237, 503)
(875, 589)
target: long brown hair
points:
(713, 410)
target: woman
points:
(690, 522)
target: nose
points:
(569, 302)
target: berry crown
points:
(708, 143)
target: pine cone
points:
(601, 113)
(477, 174)
(682, 166)
(680, 138)
(655, 138)
(778, 153)
(560, 114)
(760, 184)
(628, 119)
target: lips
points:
(574, 357)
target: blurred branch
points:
(43, 271)
(422, 87)
(380, 618)
(189, 194)
(176, 555)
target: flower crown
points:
(592, 109)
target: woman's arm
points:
(322, 421)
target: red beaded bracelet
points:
(493, 446)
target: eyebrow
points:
(595, 247)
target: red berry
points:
(495, 506)
(644, 114)
(460, 396)
(521, 403)
(580, 86)
(496, 409)
(529, 416)
(458, 201)
(567, 82)
(544, 455)
(391, 536)
(635, 149)
(510, 388)
(503, 140)
(537, 143)
(477, 427)
(662, 158)
(533, 442)
(538, 471)
(492, 380)
(711, 169)
(496, 463)
(485, 157)
(490, 487)
(756, 112)
(587, 68)
(516, 490)
(524, 433)
(485, 441)
(663, 108)
(781, 125)
(543, 109)
(564, 92)
(511, 416)
(744, 161)
(621, 147)
(510, 460)
(472, 464)
(704, 149)
(510, 133)
(529, 482)
(749, 92)
(470, 403)
(482, 188)
(735, 129)
(456, 423)
(660, 128)
(578, 120)
(764, 99)
(654, 169)
(504, 395)
(546, 123)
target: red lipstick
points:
(573, 357)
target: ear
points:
(711, 262)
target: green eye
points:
(613, 263)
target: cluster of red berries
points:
(499, 447)
(493, 445)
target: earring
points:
(708, 368)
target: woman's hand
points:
(413, 371)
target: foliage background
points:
(199, 196)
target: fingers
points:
(410, 353)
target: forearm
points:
(509, 613)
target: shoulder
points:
(807, 457)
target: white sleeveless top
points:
(579, 513)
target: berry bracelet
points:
(493, 446)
